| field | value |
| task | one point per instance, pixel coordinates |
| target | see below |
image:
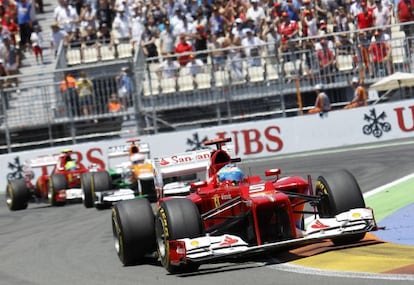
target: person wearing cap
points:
(322, 102)
(360, 95)
(124, 85)
(200, 38)
(256, 13)
(167, 39)
(379, 52)
(121, 26)
(57, 36)
(253, 48)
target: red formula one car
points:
(229, 215)
(62, 185)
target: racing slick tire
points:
(133, 230)
(86, 185)
(176, 218)
(17, 195)
(340, 192)
(101, 181)
(56, 182)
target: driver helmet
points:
(137, 158)
(70, 165)
(230, 173)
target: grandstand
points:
(280, 85)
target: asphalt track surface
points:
(73, 245)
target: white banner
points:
(257, 138)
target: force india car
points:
(124, 181)
(229, 216)
(60, 186)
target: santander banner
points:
(253, 139)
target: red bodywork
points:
(263, 201)
(40, 190)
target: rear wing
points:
(123, 150)
(41, 161)
(182, 163)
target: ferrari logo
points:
(216, 199)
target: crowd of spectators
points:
(168, 27)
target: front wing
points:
(113, 196)
(213, 248)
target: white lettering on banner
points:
(254, 139)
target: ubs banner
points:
(251, 140)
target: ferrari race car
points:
(229, 215)
(124, 181)
(62, 185)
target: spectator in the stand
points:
(235, 59)
(114, 104)
(89, 39)
(200, 43)
(379, 51)
(217, 22)
(25, 21)
(382, 16)
(183, 46)
(87, 16)
(253, 48)
(104, 35)
(11, 61)
(237, 29)
(70, 95)
(194, 66)
(365, 18)
(341, 21)
(327, 61)
(120, 27)
(360, 95)
(124, 84)
(167, 39)
(405, 11)
(148, 43)
(12, 28)
(84, 88)
(321, 10)
(218, 56)
(66, 16)
(289, 31)
(104, 13)
(362, 55)
(257, 14)
(169, 68)
(58, 36)
(273, 38)
(137, 24)
(322, 102)
(343, 44)
(37, 43)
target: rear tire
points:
(339, 192)
(57, 182)
(101, 181)
(176, 218)
(17, 195)
(133, 230)
(86, 185)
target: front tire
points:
(17, 195)
(133, 230)
(101, 181)
(57, 182)
(176, 218)
(340, 192)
